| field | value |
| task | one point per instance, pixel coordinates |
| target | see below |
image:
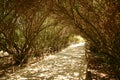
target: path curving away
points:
(69, 64)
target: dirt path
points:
(69, 64)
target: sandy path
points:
(69, 64)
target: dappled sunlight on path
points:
(69, 64)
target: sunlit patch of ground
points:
(69, 64)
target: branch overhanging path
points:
(69, 64)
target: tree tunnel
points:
(97, 21)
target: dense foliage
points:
(97, 21)
(27, 29)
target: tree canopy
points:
(23, 21)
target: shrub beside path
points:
(69, 64)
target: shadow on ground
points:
(69, 64)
